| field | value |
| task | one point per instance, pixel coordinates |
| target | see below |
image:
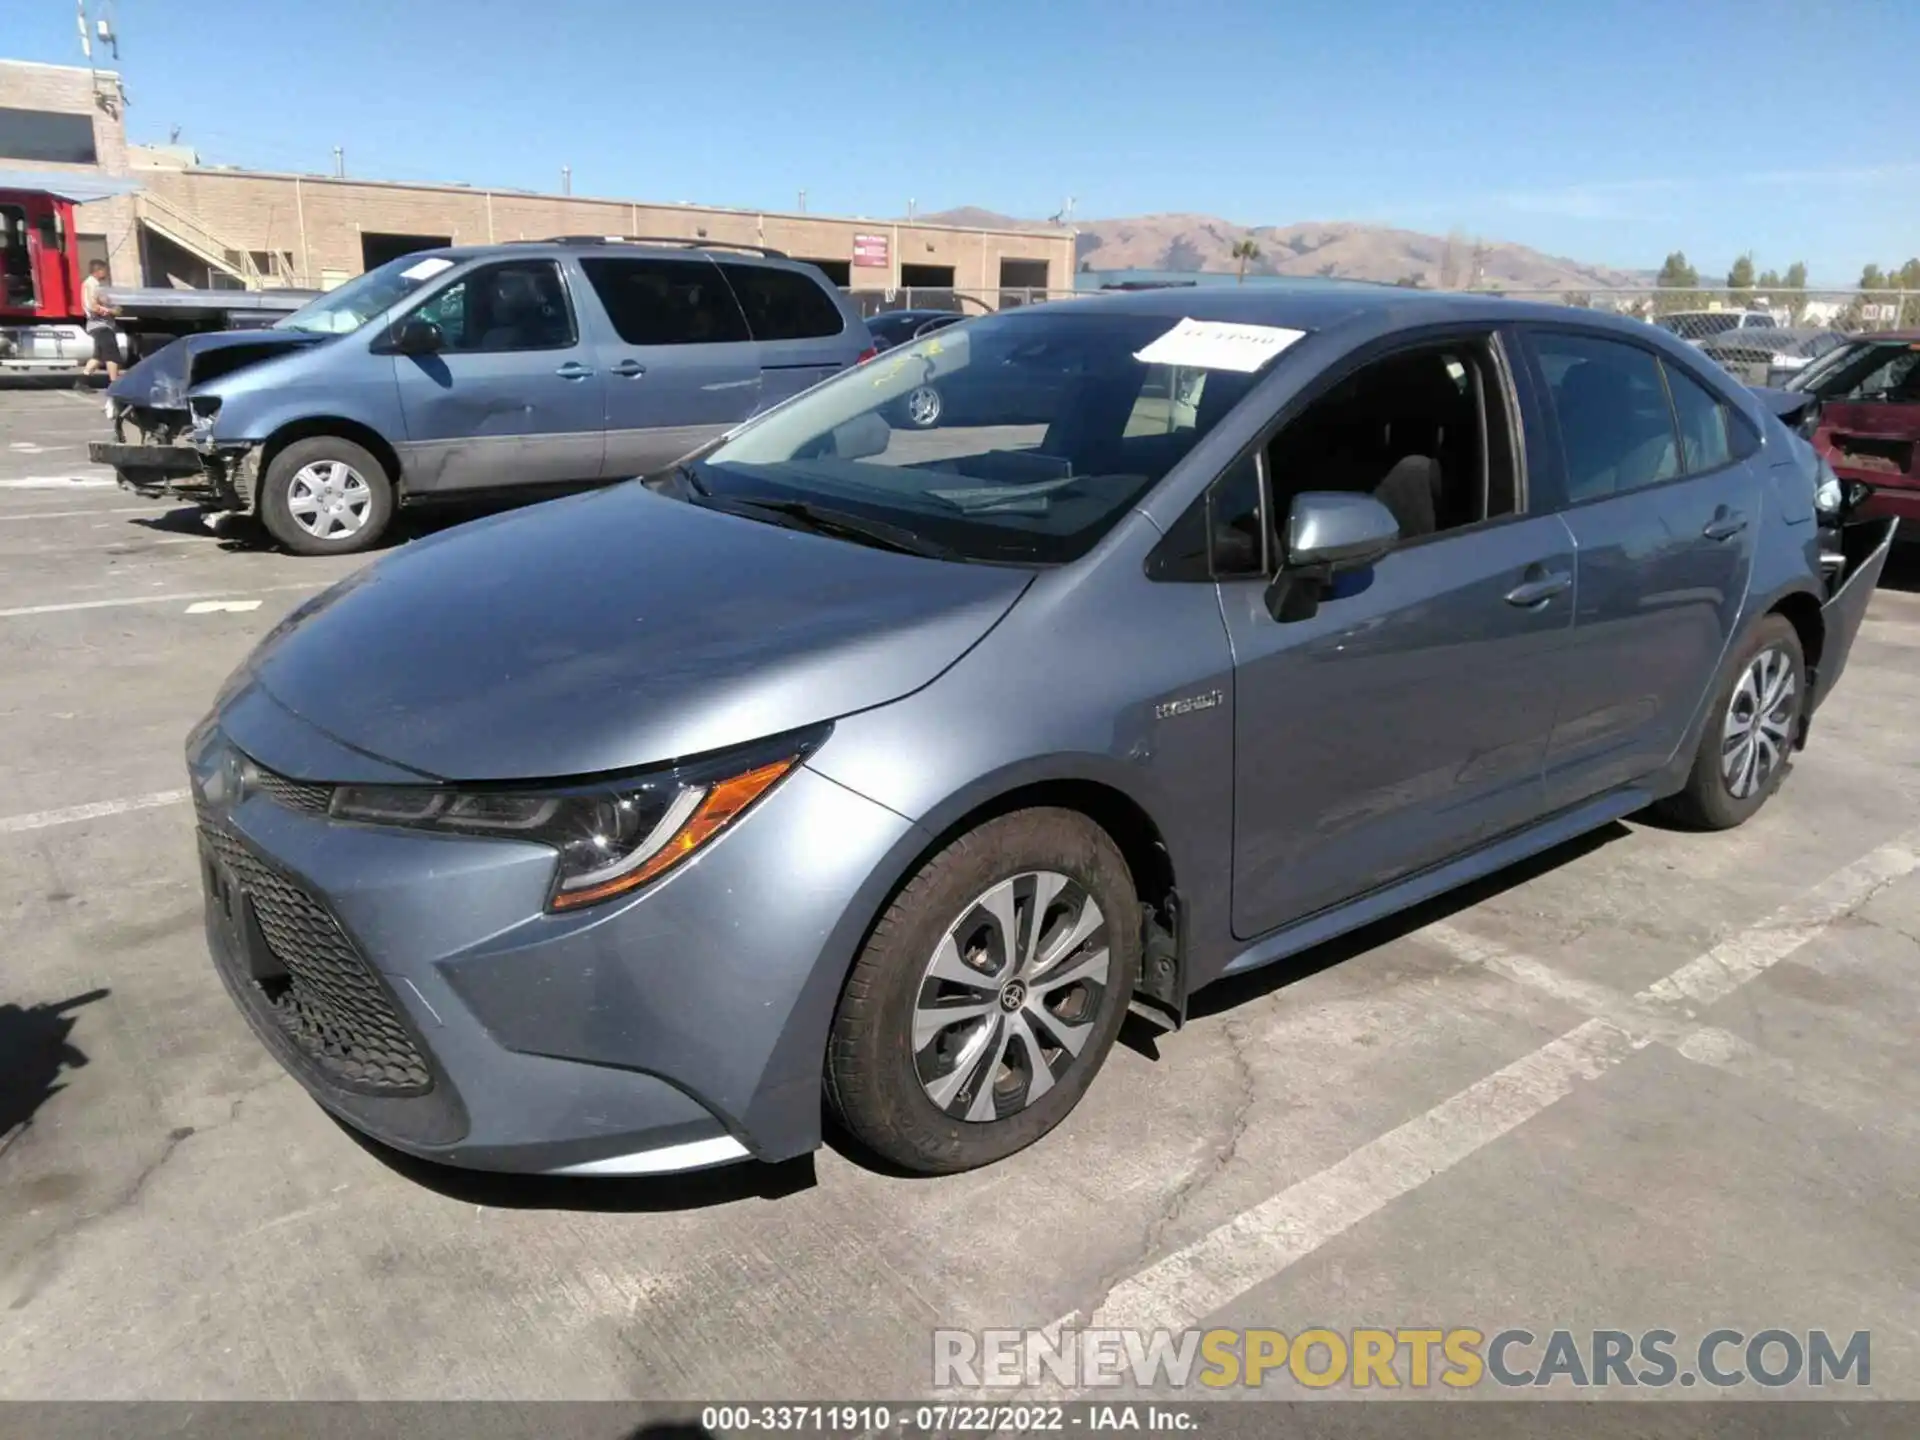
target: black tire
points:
(873, 1075)
(1709, 800)
(275, 504)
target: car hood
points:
(162, 380)
(615, 630)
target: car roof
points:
(1316, 304)
(616, 245)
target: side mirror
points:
(1327, 532)
(415, 336)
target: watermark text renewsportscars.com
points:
(1400, 1358)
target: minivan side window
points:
(520, 305)
(782, 304)
(1704, 443)
(1616, 428)
(666, 302)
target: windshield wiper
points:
(805, 515)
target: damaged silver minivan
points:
(451, 373)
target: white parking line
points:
(210, 607)
(42, 819)
(58, 482)
(81, 514)
(21, 610)
(1182, 1288)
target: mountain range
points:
(1339, 249)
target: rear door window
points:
(1616, 427)
(782, 304)
(666, 302)
(1704, 440)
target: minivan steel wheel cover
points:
(1758, 730)
(329, 499)
(1010, 996)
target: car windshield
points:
(365, 297)
(1018, 438)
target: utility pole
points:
(339, 163)
(566, 179)
(803, 202)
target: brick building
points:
(193, 224)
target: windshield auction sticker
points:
(427, 268)
(1219, 345)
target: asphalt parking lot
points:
(1654, 1080)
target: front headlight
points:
(612, 836)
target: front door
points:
(1398, 726)
(1664, 510)
(679, 360)
(1406, 720)
(513, 395)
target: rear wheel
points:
(1750, 733)
(921, 407)
(989, 994)
(326, 496)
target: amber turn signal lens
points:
(723, 802)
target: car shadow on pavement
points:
(35, 1052)
(639, 1194)
(1239, 990)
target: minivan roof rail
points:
(680, 240)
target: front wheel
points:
(988, 995)
(1750, 732)
(326, 496)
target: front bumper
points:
(417, 988)
(224, 477)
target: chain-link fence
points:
(1701, 313)
(1762, 336)
(961, 301)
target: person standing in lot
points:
(100, 327)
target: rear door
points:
(511, 397)
(679, 361)
(801, 333)
(1656, 488)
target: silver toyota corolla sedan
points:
(875, 766)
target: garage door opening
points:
(377, 249)
(1018, 277)
(930, 286)
(838, 272)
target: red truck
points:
(42, 325)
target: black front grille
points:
(313, 984)
(294, 794)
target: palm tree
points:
(1244, 250)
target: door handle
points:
(1724, 526)
(628, 369)
(573, 370)
(1531, 593)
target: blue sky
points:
(1611, 132)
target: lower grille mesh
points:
(327, 999)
